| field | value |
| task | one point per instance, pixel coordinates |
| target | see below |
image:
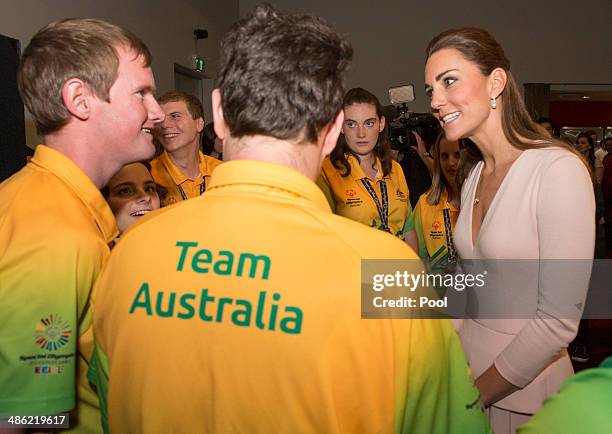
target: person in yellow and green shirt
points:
(582, 405)
(360, 178)
(437, 210)
(94, 107)
(202, 328)
(182, 169)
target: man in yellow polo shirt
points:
(88, 85)
(240, 311)
(182, 169)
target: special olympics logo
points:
(436, 225)
(52, 333)
(351, 192)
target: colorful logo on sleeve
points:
(52, 333)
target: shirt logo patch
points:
(52, 333)
(436, 232)
(48, 369)
(350, 192)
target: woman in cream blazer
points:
(527, 196)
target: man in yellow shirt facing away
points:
(182, 169)
(89, 87)
(240, 311)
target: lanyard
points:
(383, 210)
(452, 252)
(202, 189)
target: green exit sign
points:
(198, 64)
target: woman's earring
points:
(493, 103)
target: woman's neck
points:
(495, 148)
(453, 192)
(368, 164)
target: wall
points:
(166, 27)
(547, 41)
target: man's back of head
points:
(281, 77)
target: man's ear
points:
(221, 128)
(77, 97)
(330, 133)
(200, 124)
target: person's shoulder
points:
(396, 170)
(395, 166)
(156, 165)
(331, 173)
(423, 198)
(327, 165)
(365, 241)
(550, 154)
(34, 188)
(587, 391)
(553, 161)
(211, 162)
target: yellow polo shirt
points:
(430, 227)
(166, 174)
(54, 230)
(348, 196)
(204, 328)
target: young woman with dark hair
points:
(360, 178)
(131, 193)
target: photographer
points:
(417, 165)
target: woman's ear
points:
(497, 82)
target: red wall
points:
(581, 113)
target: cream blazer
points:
(544, 209)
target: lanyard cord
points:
(452, 252)
(202, 189)
(383, 209)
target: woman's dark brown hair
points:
(161, 190)
(382, 150)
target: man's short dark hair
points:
(282, 75)
(194, 106)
